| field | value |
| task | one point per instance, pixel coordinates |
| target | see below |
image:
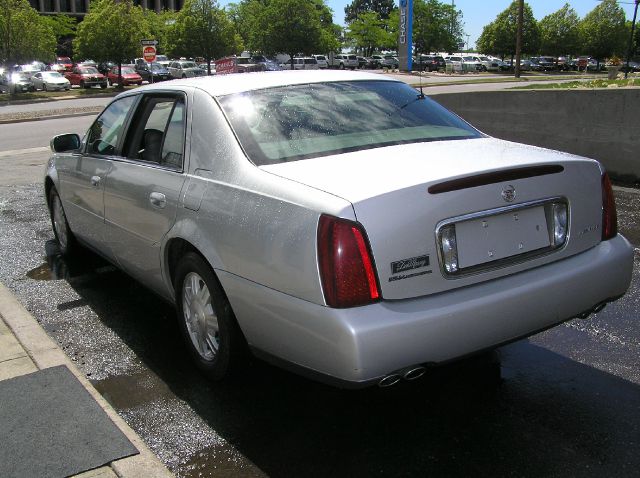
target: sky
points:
(478, 13)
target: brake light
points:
(346, 265)
(609, 215)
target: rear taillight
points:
(609, 215)
(346, 265)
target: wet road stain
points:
(42, 272)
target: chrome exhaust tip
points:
(414, 373)
(389, 380)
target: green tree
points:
(499, 37)
(291, 27)
(160, 25)
(603, 31)
(203, 29)
(111, 31)
(367, 32)
(436, 26)
(357, 7)
(245, 17)
(559, 32)
(24, 35)
(64, 29)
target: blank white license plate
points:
(492, 238)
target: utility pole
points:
(519, 36)
(633, 27)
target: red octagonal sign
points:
(149, 53)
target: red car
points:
(129, 76)
(65, 61)
(86, 77)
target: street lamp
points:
(633, 27)
(467, 42)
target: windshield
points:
(51, 74)
(189, 65)
(88, 71)
(298, 122)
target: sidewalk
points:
(25, 348)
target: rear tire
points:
(208, 325)
(62, 231)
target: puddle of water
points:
(59, 267)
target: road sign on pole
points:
(149, 42)
(149, 53)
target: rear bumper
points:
(358, 346)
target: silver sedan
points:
(50, 81)
(340, 224)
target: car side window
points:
(159, 136)
(104, 133)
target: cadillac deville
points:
(340, 224)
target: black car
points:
(152, 72)
(105, 66)
(543, 63)
(429, 63)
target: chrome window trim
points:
(507, 261)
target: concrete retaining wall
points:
(603, 124)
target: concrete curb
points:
(43, 118)
(36, 349)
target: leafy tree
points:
(559, 32)
(291, 27)
(357, 7)
(111, 31)
(603, 30)
(245, 18)
(203, 29)
(368, 32)
(499, 37)
(436, 26)
(160, 25)
(64, 29)
(24, 35)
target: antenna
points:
(421, 95)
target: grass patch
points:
(53, 95)
(569, 85)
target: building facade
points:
(80, 8)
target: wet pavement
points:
(568, 405)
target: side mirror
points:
(65, 142)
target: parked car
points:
(65, 61)
(362, 62)
(50, 81)
(28, 69)
(375, 61)
(322, 61)
(105, 66)
(154, 72)
(390, 61)
(86, 77)
(318, 228)
(456, 63)
(343, 61)
(634, 66)
(427, 63)
(471, 63)
(301, 63)
(543, 63)
(16, 82)
(184, 69)
(129, 76)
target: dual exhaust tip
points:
(415, 372)
(409, 374)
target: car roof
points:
(221, 85)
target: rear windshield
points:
(290, 123)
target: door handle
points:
(95, 181)
(158, 200)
